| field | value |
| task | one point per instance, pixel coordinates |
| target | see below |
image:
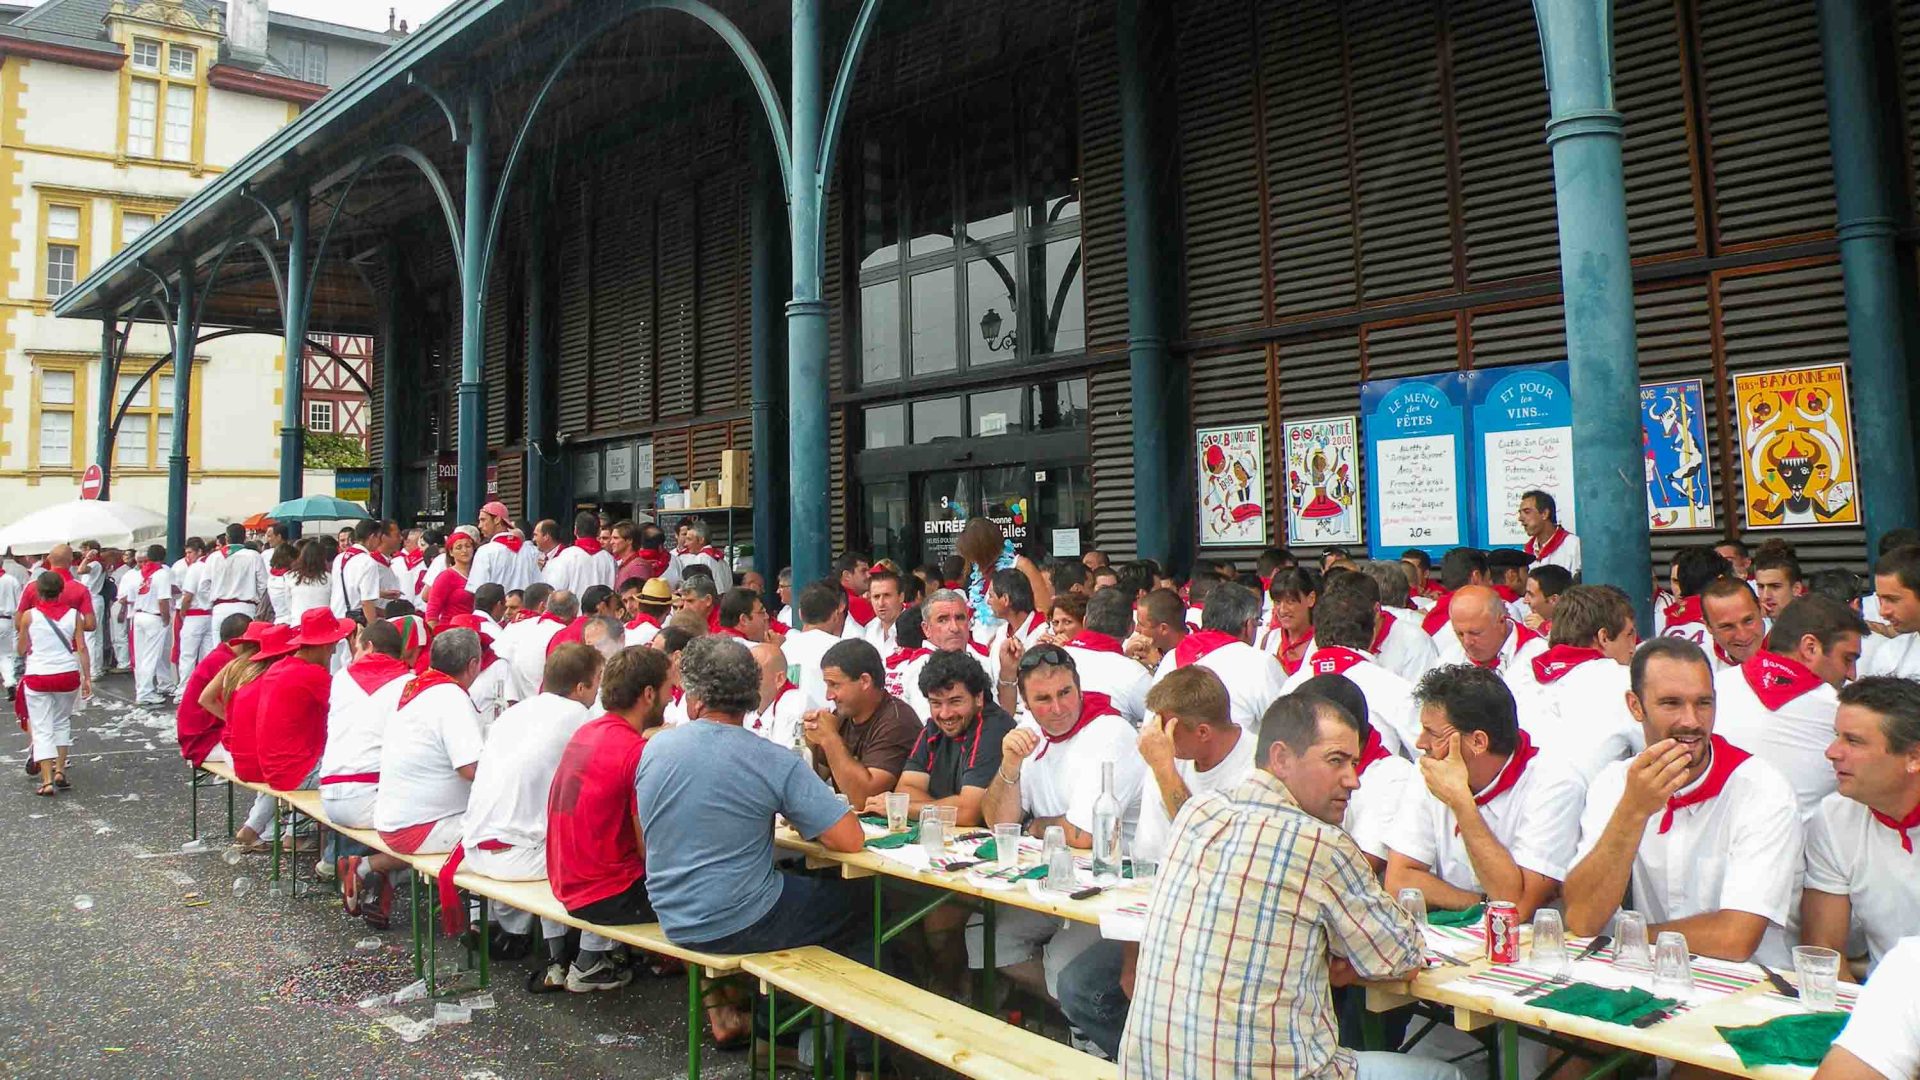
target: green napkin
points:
(988, 851)
(1469, 917)
(1602, 1002)
(1802, 1039)
(1032, 873)
(873, 819)
(896, 840)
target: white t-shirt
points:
(1521, 646)
(882, 637)
(1566, 555)
(1890, 656)
(428, 740)
(1792, 739)
(1154, 831)
(356, 727)
(496, 563)
(1063, 779)
(779, 723)
(575, 571)
(803, 650)
(1740, 850)
(1581, 717)
(524, 644)
(1536, 820)
(1884, 1031)
(366, 578)
(279, 596)
(1117, 675)
(240, 575)
(159, 590)
(1407, 651)
(190, 579)
(47, 655)
(1253, 679)
(1390, 706)
(509, 798)
(1851, 854)
(1375, 804)
(304, 596)
(1031, 628)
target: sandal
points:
(60, 779)
(46, 790)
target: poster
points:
(1522, 422)
(1323, 480)
(1233, 485)
(1415, 432)
(1796, 448)
(1673, 431)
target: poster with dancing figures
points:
(1673, 434)
(1796, 448)
(1323, 480)
(1233, 485)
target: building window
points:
(306, 60)
(1013, 410)
(143, 117)
(134, 224)
(59, 394)
(162, 99)
(182, 61)
(146, 55)
(319, 416)
(145, 437)
(179, 127)
(63, 248)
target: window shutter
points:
(576, 280)
(1530, 335)
(1657, 156)
(1422, 348)
(1400, 150)
(723, 372)
(1110, 435)
(1219, 176)
(1309, 158)
(1506, 170)
(676, 303)
(1102, 212)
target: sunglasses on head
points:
(1045, 656)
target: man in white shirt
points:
(1098, 655)
(1778, 579)
(238, 580)
(1010, 598)
(1734, 623)
(367, 577)
(1693, 569)
(1546, 583)
(91, 571)
(578, 566)
(1399, 644)
(1051, 774)
(1863, 875)
(651, 611)
(1382, 774)
(1343, 627)
(359, 704)
(1779, 705)
(499, 558)
(1493, 819)
(429, 754)
(1485, 633)
(528, 642)
(125, 580)
(1706, 834)
(1882, 1037)
(1223, 645)
(782, 707)
(1896, 584)
(150, 627)
(699, 552)
(1547, 541)
(946, 625)
(195, 631)
(822, 610)
(854, 572)
(1572, 698)
(883, 593)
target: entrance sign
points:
(1323, 480)
(1415, 433)
(91, 481)
(1522, 419)
(1673, 428)
(1233, 485)
(1796, 448)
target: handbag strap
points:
(55, 627)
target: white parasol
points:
(111, 524)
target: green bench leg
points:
(433, 939)
(1509, 1050)
(693, 1024)
(193, 794)
(413, 906)
(773, 1025)
(989, 914)
(819, 1045)
(230, 829)
(840, 1050)
(486, 944)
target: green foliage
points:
(328, 450)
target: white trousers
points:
(520, 864)
(152, 642)
(96, 645)
(1017, 933)
(220, 613)
(122, 648)
(196, 641)
(50, 721)
(350, 805)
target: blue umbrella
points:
(317, 508)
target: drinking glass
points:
(933, 831)
(1630, 949)
(1415, 903)
(950, 817)
(1006, 845)
(1819, 971)
(897, 811)
(1059, 860)
(1549, 943)
(1672, 968)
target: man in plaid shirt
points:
(1263, 904)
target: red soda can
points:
(1503, 932)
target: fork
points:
(1544, 986)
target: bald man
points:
(1484, 633)
(781, 704)
(73, 593)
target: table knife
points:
(1598, 943)
(1780, 986)
(1654, 1017)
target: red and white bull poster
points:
(1796, 448)
(1233, 485)
(1323, 480)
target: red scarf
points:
(509, 541)
(1372, 752)
(1685, 610)
(1726, 758)
(1721, 655)
(548, 616)
(147, 570)
(656, 561)
(1777, 680)
(1506, 594)
(1334, 659)
(374, 671)
(426, 680)
(785, 685)
(1199, 644)
(644, 619)
(1551, 665)
(1033, 620)
(1095, 641)
(414, 558)
(713, 617)
(1510, 773)
(276, 573)
(713, 553)
(1520, 635)
(907, 656)
(379, 558)
(1289, 644)
(1436, 619)
(1536, 552)
(1092, 707)
(1901, 825)
(1380, 632)
(588, 544)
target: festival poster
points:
(1796, 448)
(1233, 485)
(1673, 432)
(1323, 480)
(1522, 419)
(1415, 431)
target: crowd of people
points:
(620, 712)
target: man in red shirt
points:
(72, 593)
(594, 857)
(290, 720)
(199, 730)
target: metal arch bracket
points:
(273, 269)
(166, 289)
(434, 180)
(311, 343)
(838, 102)
(415, 80)
(247, 192)
(213, 275)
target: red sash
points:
(1726, 758)
(1777, 680)
(453, 913)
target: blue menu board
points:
(1415, 431)
(1522, 431)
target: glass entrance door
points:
(949, 497)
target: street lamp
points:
(990, 332)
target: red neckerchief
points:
(1334, 659)
(1372, 752)
(1095, 641)
(1726, 758)
(1092, 707)
(588, 544)
(1510, 773)
(643, 619)
(713, 618)
(779, 627)
(677, 695)
(1900, 825)
(713, 553)
(1199, 644)
(1289, 644)
(1549, 666)
(1520, 636)
(978, 649)
(1380, 632)
(424, 681)
(1436, 619)
(655, 560)
(276, 573)
(1777, 680)
(1536, 553)
(509, 541)
(383, 560)
(548, 616)
(375, 670)
(1685, 610)
(414, 558)
(1721, 654)
(907, 656)
(1033, 620)
(1506, 594)
(147, 570)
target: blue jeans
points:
(1384, 1065)
(1091, 997)
(826, 911)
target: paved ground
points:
(149, 982)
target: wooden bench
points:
(948, 1033)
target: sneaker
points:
(325, 870)
(601, 976)
(547, 980)
(376, 899)
(1085, 1045)
(347, 870)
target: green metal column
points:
(539, 492)
(807, 310)
(390, 383)
(1858, 100)
(1159, 383)
(769, 375)
(293, 424)
(103, 403)
(470, 428)
(183, 334)
(1596, 276)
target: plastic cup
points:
(1630, 949)
(1059, 860)
(1672, 967)
(1549, 943)
(1414, 902)
(950, 817)
(1006, 846)
(933, 831)
(1819, 971)
(897, 811)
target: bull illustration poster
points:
(1796, 448)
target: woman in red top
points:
(449, 595)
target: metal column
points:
(390, 382)
(183, 335)
(293, 424)
(470, 428)
(103, 402)
(1863, 177)
(1596, 275)
(539, 380)
(769, 375)
(1159, 384)
(807, 311)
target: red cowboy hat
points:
(275, 640)
(319, 627)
